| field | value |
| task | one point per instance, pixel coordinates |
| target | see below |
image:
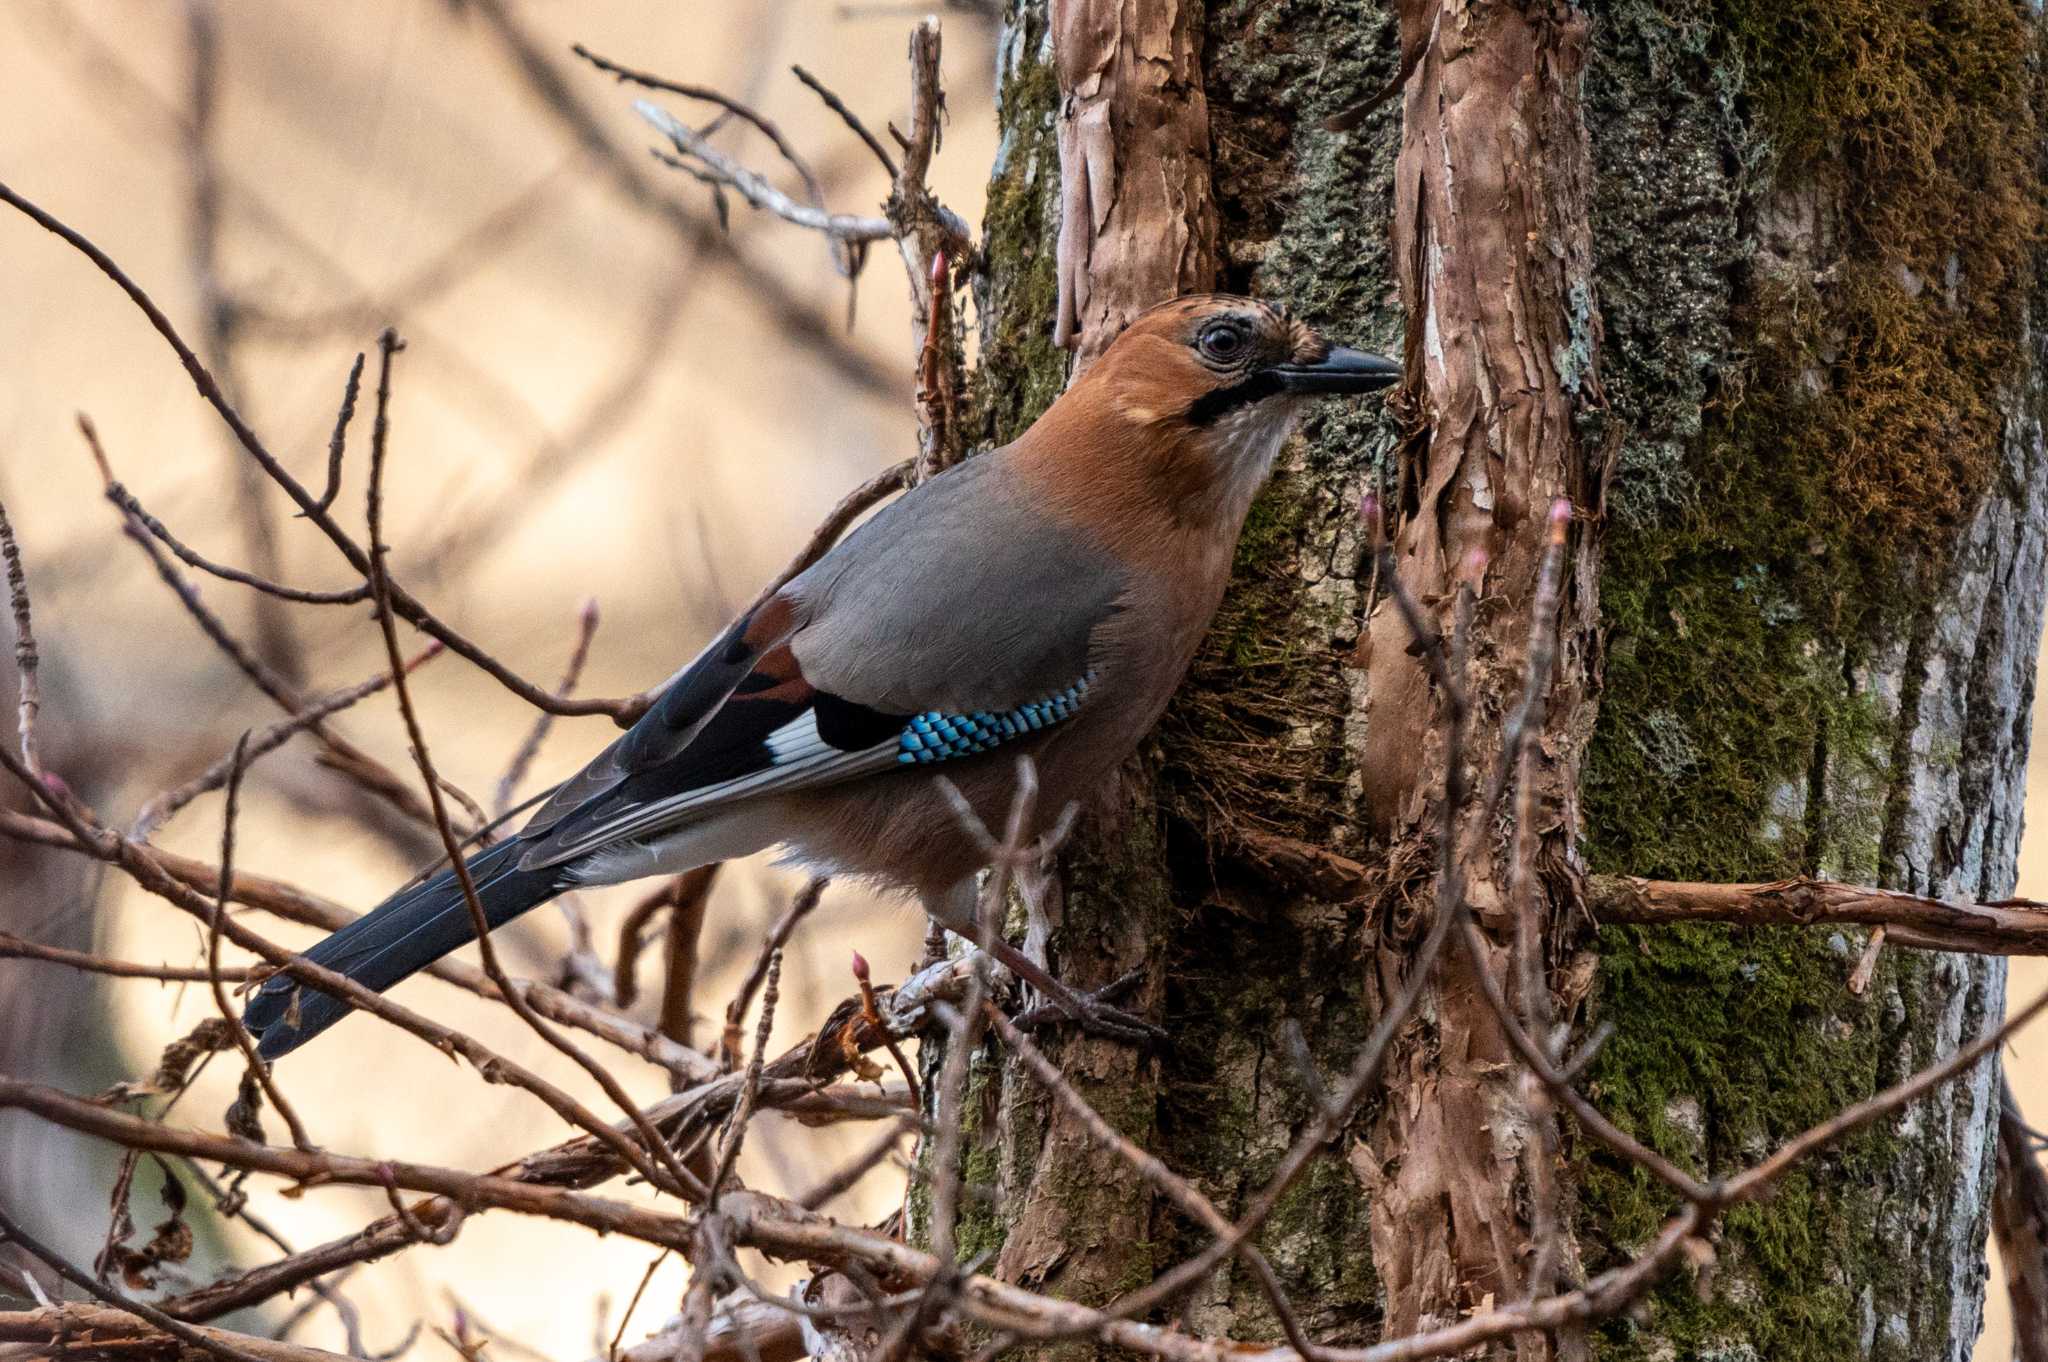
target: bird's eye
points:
(1223, 342)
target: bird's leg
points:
(957, 910)
(1089, 1011)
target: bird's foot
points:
(1095, 1013)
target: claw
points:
(1092, 1012)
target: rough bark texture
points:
(1823, 594)
(1492, 248)
(1811, 227)
(1137, 220)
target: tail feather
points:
(398, 938)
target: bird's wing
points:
(954, 620)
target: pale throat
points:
(1242, 446)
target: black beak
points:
(1342, 370)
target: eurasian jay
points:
(1044, 599)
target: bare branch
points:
(28, 697)
(123, 498)
(228, 1012)
(801, 907)
(2006, 927)
(209, 1341)
(676, 1178)
(529, 748)
(690, 897)
(849, 117)
(15, 948)
(843, 227)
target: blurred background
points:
(604, 396)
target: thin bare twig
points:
(529, 748)
(849, 117)
(676, 1177)
(15, 948)
(337, 443)
(736, 1124)
(736, 108)
(848, 228)
(206, 1340)
(163, 807)
(800, 907)
(125, 499)
(28, 695)
(229, 1013)
(687, 904)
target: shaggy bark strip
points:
(1137, 226)
(1492, 243)
(1137, 218)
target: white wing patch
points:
(799, 758)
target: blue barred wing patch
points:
(938, 736)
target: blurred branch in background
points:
(2019, 1226)
(220, 327)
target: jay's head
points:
(1227, 375)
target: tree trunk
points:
(1766, 271)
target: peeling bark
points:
(1137, 219)
(1492, 242)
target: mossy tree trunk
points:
(1816, 324)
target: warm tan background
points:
(359, 141)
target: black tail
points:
(399, 937)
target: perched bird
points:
(1043, 598)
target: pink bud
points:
(939, 267)
(587, 617)
(1560, 518)
(860, 967)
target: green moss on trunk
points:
(1814, 222)
(1020, 371)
